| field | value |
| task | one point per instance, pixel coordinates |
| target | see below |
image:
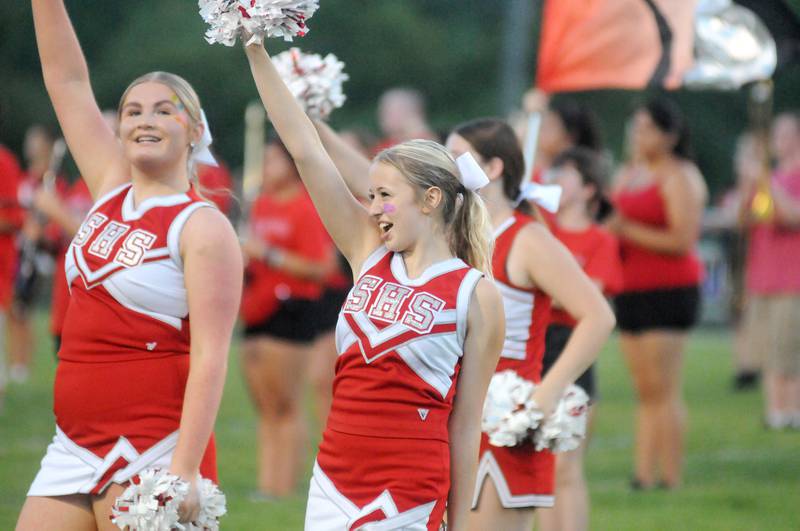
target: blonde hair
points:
(426, 164)
(191, 104)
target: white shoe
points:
(19, 374)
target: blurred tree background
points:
(470, 57)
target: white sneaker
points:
(19, 374)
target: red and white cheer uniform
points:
(124, 357)
(384, 461)
(522, 476)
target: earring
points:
(191, 146)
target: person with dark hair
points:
(289, 255)
(530, 268)
(659, 197)
(582, 175)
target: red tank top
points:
(644, 269)
(527, 310)
(400, 342)
(125, 273)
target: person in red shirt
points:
(659, 198)
(581, 174)
(11, 217)
(289, 257)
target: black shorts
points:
(327, 309)
(663, 309)
(555, 340)
(292, 321)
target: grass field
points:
(738, 476)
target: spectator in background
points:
(582, 175)
(11, 217)
(772, 310)
(659, 199)
(289, 256)
(38, 151)
(402, 116)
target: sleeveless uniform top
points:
(527, 310)
(124, 270)
(644, 269)
(400, 342)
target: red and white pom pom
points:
(151, 502)
(566, 427)
(258, 18)
(315, 81)
(510, 415)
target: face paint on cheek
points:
(389, 208)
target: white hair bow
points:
(546, 196)
(472, 175)
(201, 153)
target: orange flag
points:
(630, 44)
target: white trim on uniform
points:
(504, 226)
(398, 267)
(488, 467)
(105, 197)
(176, 227)
(372, 260)
(130, 212)
(518, 307)
(68, 468)
(329, 510)
(462, 302)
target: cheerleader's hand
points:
(189, 509)
(546, 399)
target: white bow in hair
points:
(201, 153)
(472, 175)
(546, 196)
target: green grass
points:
(738, 476)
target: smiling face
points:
(395, 207)
(154, 128)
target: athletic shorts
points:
(662, 309)
(772, 331)
(327, 309)
(555, 340)
(294, 320)
(378, 483)
(522, 477)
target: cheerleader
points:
(418, 336)
(132, 390)
(530, 268)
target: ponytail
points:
(471, 236)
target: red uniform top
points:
(12, 216)
(78, 201)
(400, 342)
(291, 225)
(597, 252)
(644, 269)
(527, 310)
(125, 342)
(217, 182)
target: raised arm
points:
(553, 269)
(352, 164)
(346, 220)
(92, 143)
(482, 346)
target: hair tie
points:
(472, 175)
(201, 153)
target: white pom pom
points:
(258, 18)
(565, 428)
(151, 503)
(509, 413)
(315, 81)
(212, 507)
